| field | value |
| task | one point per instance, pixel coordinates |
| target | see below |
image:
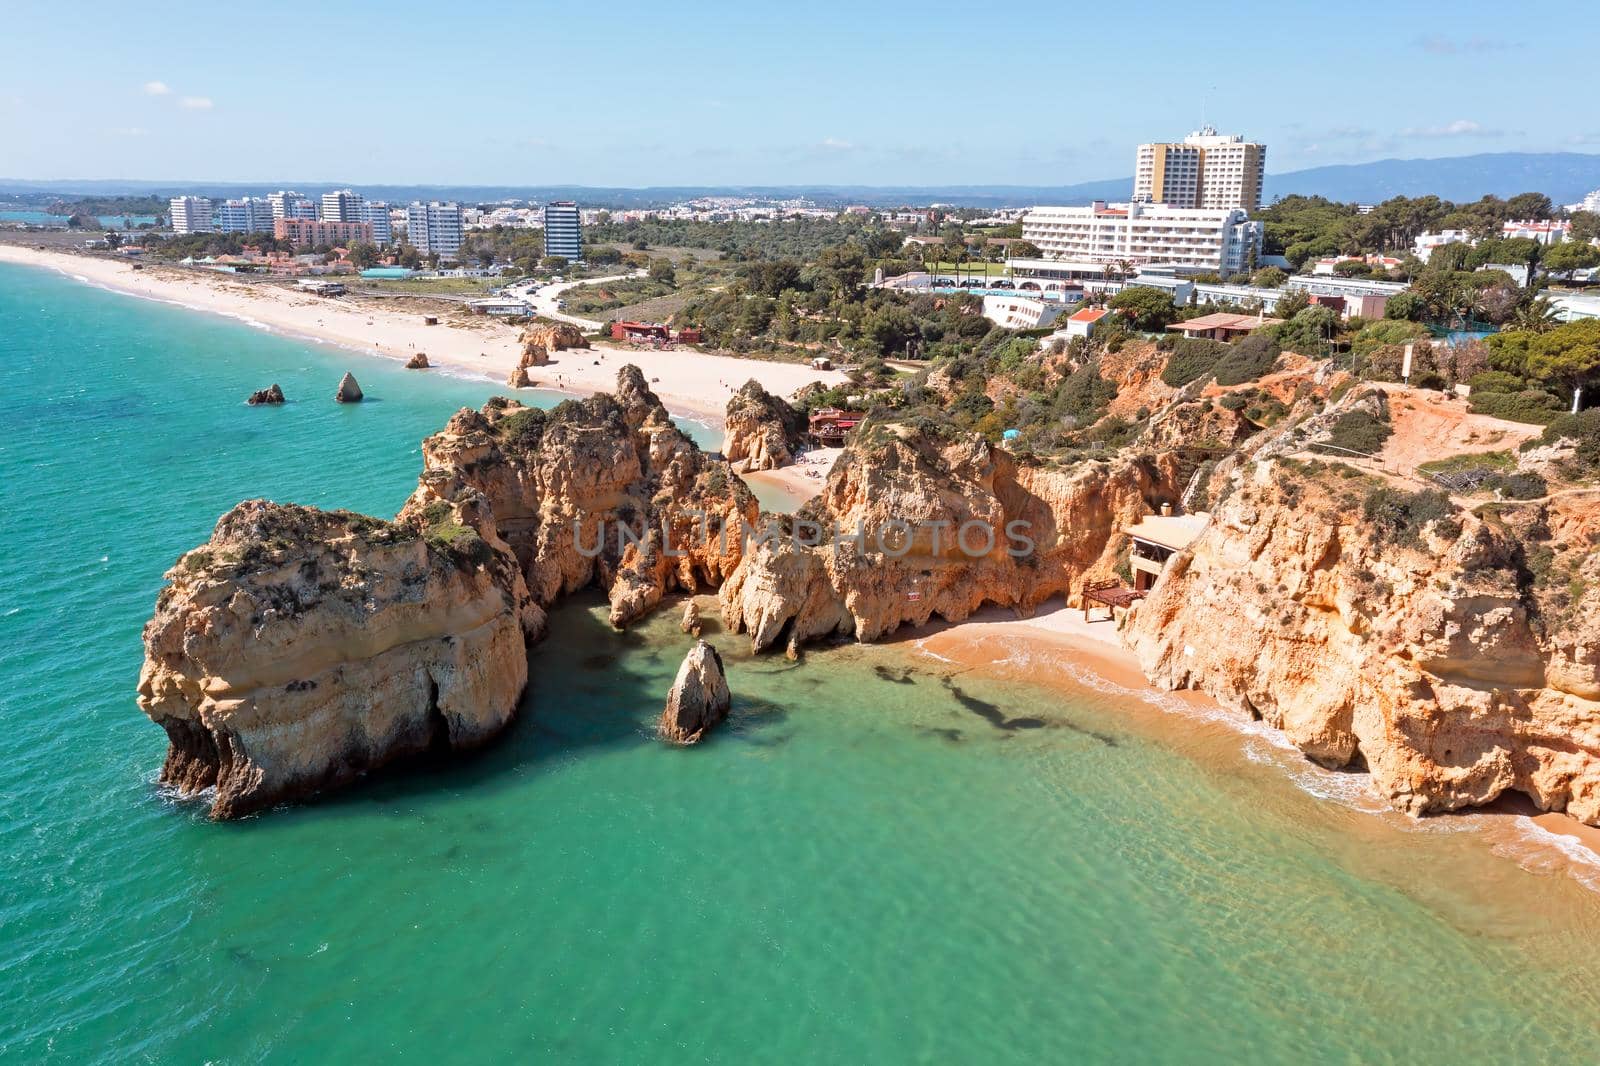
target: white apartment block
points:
(1192, 240)
(191, 214)
(435, 228)
(1207, 169)
(249, 214)
(377, 213)
(288, 204)
(342, 205)
(1543, 230)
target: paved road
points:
(544, 300)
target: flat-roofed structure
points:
(1156, 539)
(1222, 326)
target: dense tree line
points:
(1303, 228)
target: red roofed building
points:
(1083, 322)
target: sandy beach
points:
(1056, 648)
(688, 382)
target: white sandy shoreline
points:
(693, 384)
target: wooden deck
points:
(1110, 595)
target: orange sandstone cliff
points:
(297, 648)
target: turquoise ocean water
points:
(883, 858)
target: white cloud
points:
(157, 88)
(196, 103)
(1461, 127)
(834, 144)
(130, 131)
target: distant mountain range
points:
(1563, 176)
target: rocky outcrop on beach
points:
(269, 395)
(539, 340)
(418, 361)
(298, 649)
(349, 391)
(1454, 653)
(947, 524)
(699, 699)
(519, 379)
(762, 430)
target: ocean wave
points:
(1576, 858)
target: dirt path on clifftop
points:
(1428, 427)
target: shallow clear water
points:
(882, 858)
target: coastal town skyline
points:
(865, 97)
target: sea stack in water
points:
(699, 697)
(418, 361)
(691, 618)
(349, 391)
(298, 649)
(271, 394)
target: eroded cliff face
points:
(297, 649)
(946, 526)
(1456, 655)
(605, 490)
(762, 430)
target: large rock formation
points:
(762, 430)
(546, 337)
(602, 490)
(699, 698)
(297, 649)
(349, 391)
(418, 361)
(269, 395)
(947, 525)
(1455, 654)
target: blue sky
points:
(626, 93)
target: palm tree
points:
(1536, 316)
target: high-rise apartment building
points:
(435, 228)
(249, 214)
(563, 230)
(376, 214)
(1192, 240)
(288, 204)
(191, 214)
(1207, 169)
(342, 205)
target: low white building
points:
(1570, 307)
(1425, 243)
(1543, 230)
(1022, 312)
(1083, 322)
(1191, 240)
